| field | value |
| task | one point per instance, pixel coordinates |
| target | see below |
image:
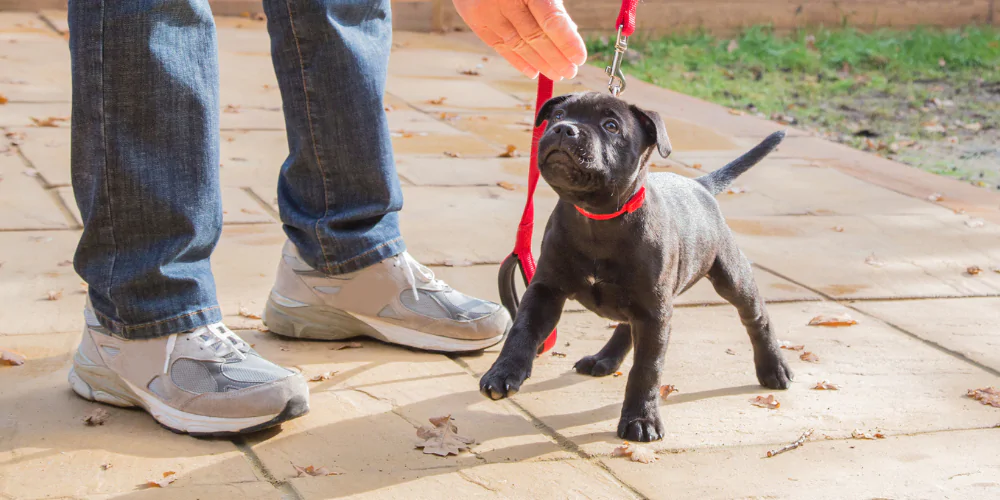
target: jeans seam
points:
(127, 328)
(367, 253)
(312, 136)
(107, 188)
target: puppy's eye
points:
(611, 126)
(558, 115)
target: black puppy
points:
(624, 243)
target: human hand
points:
(532, 35)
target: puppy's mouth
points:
(562, 169)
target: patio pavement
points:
(927, 330)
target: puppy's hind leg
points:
(610, 357)
(732, 277)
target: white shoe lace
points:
(423, 273)
(220, 343)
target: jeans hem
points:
(176, 324)
(367, 258)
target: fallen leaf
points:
(313, 471)
(810, 357)
(470, 72)
(442, 439)
(974, 223)
(666, 390)
(733, 46)
(988, 396)
(447, 116)
(612, 324)
(769, 402)
(635, 452)
(106, 466)
(55, 294)
(838, 229)
(730, 352)
(168, 477)
(347, 345)
(791, 347)
(616, 374)
(973, 270)
(506, 185)
(935, 197)
(11, 358)
(451, 154)
(874, 261)
(696, 166)
(48, 122)
(858, 434)
(437, 102)
(511, 152)
(736, 112)
(826, 386)
(558, 354)
(15, 138)
(457, 263)
(842, 319)
(3, 99)
(96, 417)
(736, 190)
(323, 376)
(65, 263)
(247, 314)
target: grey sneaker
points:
(205, 383)
(397, 300)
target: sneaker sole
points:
(328, 323)
(119, 392)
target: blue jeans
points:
(145, 149)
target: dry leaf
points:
(451, 154)
(730, 352)
(11, 358)
(511, 152)
(3, 99)
(347, 345)
(48, 122)
(666, 390)
(838, 229)
(635, 452)
(973, 270)
(65, 263)
(791, 347)
(313, 471)
(442, 439)
(437, 102)
(230, 108)
(168, 477)
(106, 466)
(55, 294)
(470, 72)
(96, 417)
(826, 386)
(323, 376)
(988, 396)
(736, 112)
(935, 197)
(874, 261)
(769, 402)
(506, 185)
(842, 319)
(558, 354)
(247, 314)
(736, 190)
(810, 357)
(858, 434)
(616, 374)
(696, 166)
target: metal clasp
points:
(616, 85)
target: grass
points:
(926, 97)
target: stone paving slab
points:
(35, 263)
(46, 450)
(960, 464)
(18, 114)
(238, 207)
(463, 94)
(24, 202)
(970, 326)
(47, 149)
(923, 256)
(889, 381)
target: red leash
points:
(521, 256)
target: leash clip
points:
(616, 84)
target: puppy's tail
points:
(718, 181)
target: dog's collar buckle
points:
(631, 205)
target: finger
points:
(512, 41)
(552, 17)
(494, 40)
(556, 64)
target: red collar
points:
(631, 205)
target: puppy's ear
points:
(543, 114)
(655, 130)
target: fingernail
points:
(531, 75)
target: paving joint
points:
(258, 466)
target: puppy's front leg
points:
(536, 318)
(641, 411)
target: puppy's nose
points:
(565, 129)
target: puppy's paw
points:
(597, 366)
(503, 380)
(641, 429)
(773, 371)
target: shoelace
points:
(214, 336)
(408, 263)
